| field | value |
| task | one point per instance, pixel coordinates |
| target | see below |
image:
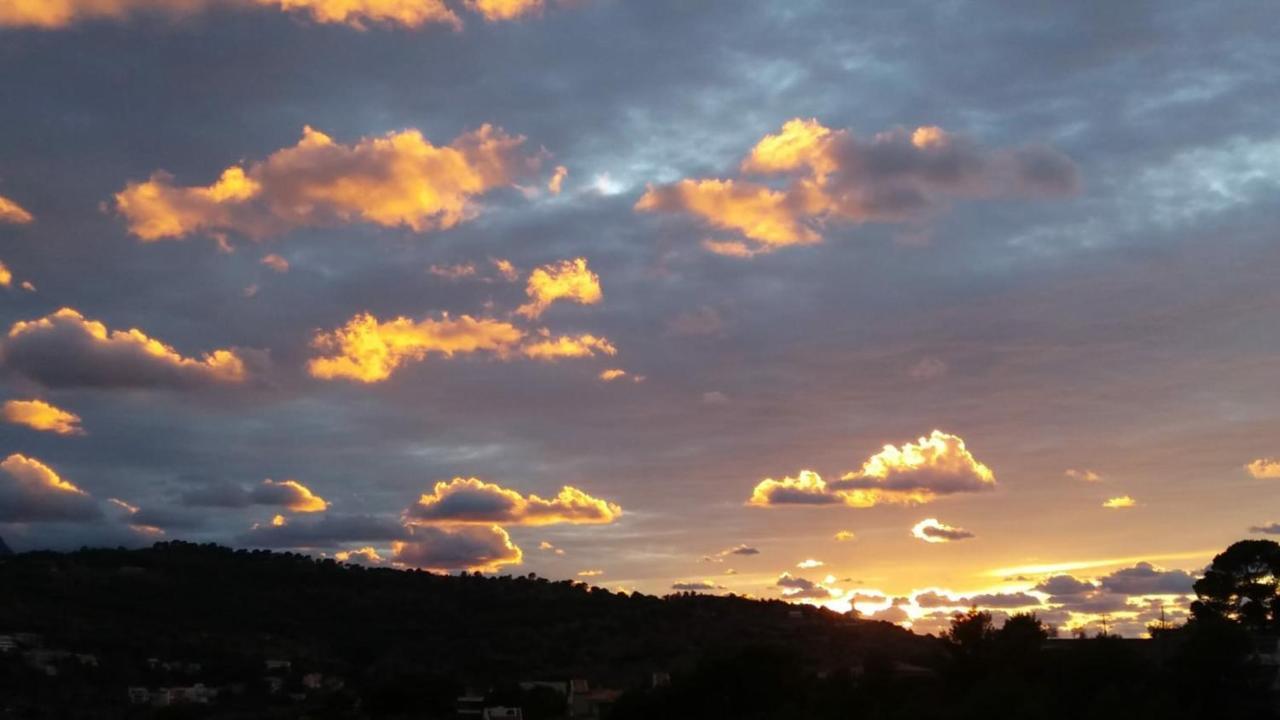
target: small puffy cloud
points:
(798, 588)
(31, 491)
(833, 177)
(505, 269)
(6, 275)
(469, 500)
(453, 272)
(933, 599)
(696, 586)
(612, 374)
(740, 550)
(328, 530)
(358, 14)
(10, 211)
(289, 494)
(810, 564)
(1269, 529)
(40, 415)
(368, 350)
(549, 347)
(569, 280)
(932, 531)
(1146, 579)
(546, 546)
(396, 180)
(1084, 475)
(590, 573)
(929, 368)
(1119, 503)
(913, 474)
(276, 263)
(362, 556)
(1264, 468)
(65, 349)
(556, 183)
(476, 548)
(845, 536)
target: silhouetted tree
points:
(1241, 585)
(971, 632)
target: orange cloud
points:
(40, 415)
(470, 501)
(1120, 503)
(53, 14)
(6, 275)
(473, 548)
(12, 212)
(506, 270)
(65, 349)
(367, 350)
(931, 530)
(494, 10)
(31, 491)
(832, 176)
(289, 494)
(276, 263)
(557, 180)
(567, 346)
(1264, 468)
(568, 280)
(845, 536)
(396, 180)
(913, 474)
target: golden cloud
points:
(12, 212)
(494, 10)
(1120, 503)
(31, 491)
(832, 176)
(289, 494)
(470, 501)
(396, 180)
(474, 548)
(566, 280)
(6, 275)
(40, 415)
(367, 350)
(53, 14)
(65, 349)
(556, 184)
(566, 346)
(1264, 468)
(931, 530)
(913, 474)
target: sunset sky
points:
(911, 306)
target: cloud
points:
(505, 269)
(6, 275)
(556, 184)
(987, 600)
(696, 586)
(548, 347)
(845, 536)
(361, 556)
(358, 14)
(323, 531)
(741, 550)
(475, 548)
(892, 614)
(929, 368)
(453, 272)
(798, 588)
(469, 500)
(1119, 503)
(396, 180)
(590, 573)
(10, 211)
(368, 350)
(704, 321)
(810, 564)
(833, 177)
(40, 415)
(275, 263)
(1270, 529)
(568, 280)
(31, 491)
(1264, 468)
(1084, 475)
(914, 474)
(1146, 579)
(65, 349)
(1064, 586)
(289, 494)
(932, 531)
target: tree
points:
(1241, 585)
(971, 632)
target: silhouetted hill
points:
(232, 609)
(4, 549)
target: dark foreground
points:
(181, 630)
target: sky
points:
(904, 307)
